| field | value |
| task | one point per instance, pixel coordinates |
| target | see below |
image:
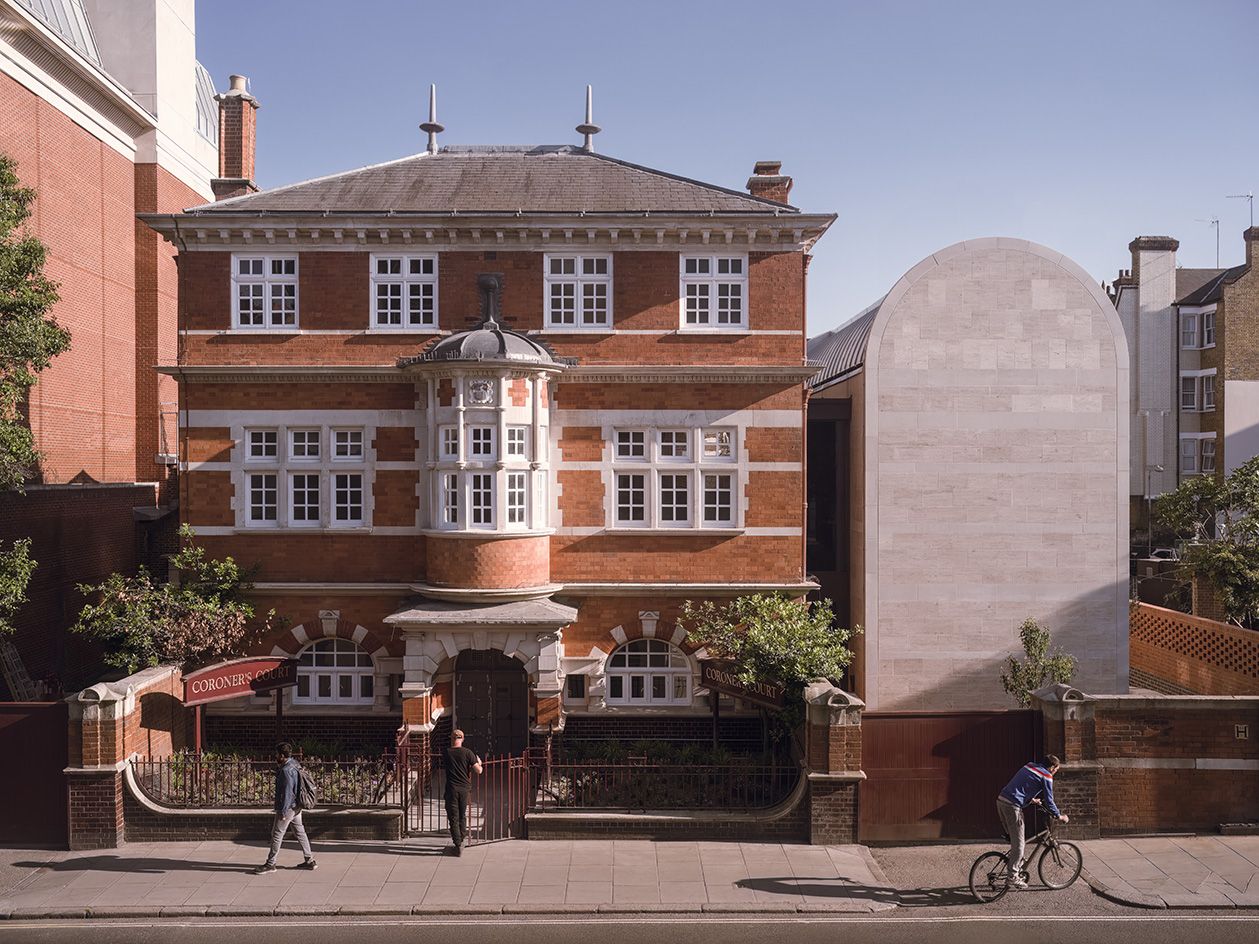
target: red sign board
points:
(722, 676)
(238, 677)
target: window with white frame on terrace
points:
(335, 672)
(1197, 392)
(578, 291)
(1197, 329)
(304, 477)
(675, 478)
(404, 292)
(1197, 454)
(648, 672)
(714, 292)
(264, 292)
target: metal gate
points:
(936, 775)
(33, 794)
(499, 798)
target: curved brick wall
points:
(489, 563)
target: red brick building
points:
(108, 114)
(485, 417)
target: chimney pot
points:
(238, 83)
(767, 168)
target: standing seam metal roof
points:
(843, 350)
(528, 179)
(67, 19)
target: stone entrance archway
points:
(492, 702)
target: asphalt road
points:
(1158, 928)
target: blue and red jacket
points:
(1029, 783)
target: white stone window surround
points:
(416, 275)
(588, 286)
(335, 671)
(713, 293)
(285, 466)
(1192, 453)
(1197, 393)
(673, 482)
(499, 416)
(265, 292)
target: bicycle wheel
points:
(989, 877)
(1060, 864)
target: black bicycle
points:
(1060, 865)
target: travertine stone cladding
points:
(998, 414)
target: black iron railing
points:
(207, 782)
(595, 785)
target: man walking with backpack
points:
(288, 809)
(460, 764)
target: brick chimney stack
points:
(1252, 237)
(768, 182)
(237, 141)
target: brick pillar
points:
(1206, 601)
(1067, 715)
(96, 732)
(833, 756)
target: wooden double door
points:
(492, 702)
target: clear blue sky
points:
(1074, 124)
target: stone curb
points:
(1133, 899)
(105, 912)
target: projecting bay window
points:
(1197, 391)
(1208, 329)
(518, 442)
(714, 292)
(578, 292)
(404, 292)
(264, 291)
(450, 499)
(482, 442)
(1197, 330)
(1197, 453)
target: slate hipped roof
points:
(494, 179)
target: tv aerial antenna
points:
(1249, 197)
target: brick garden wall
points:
(1187, 654)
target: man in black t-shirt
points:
(461, 763)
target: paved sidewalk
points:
(416, 877)
(1175, 871)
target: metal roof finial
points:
(589, 129)
(431, 127)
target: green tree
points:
(203, 617)
(1217, 519)
(1039, 666)
(773, 637)
(29, 337)
(16, 568)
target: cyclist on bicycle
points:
(1033, 785)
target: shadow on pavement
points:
(141, 865)
(826, 887)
